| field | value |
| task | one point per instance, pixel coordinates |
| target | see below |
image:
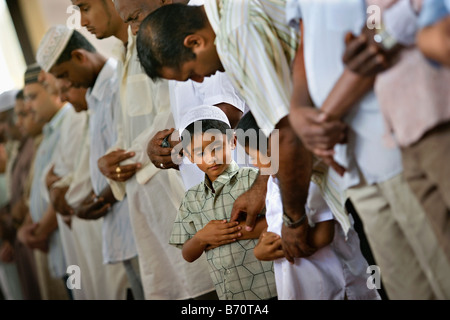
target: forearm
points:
(322, 234)
(347, 91)
(434, 41)
(193, 249)
(48, 223)
(295, 169)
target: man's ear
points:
(187, 154)
(78, 55)
(194, 41)
(233, 141)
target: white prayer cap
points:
(202, 112)
(52, 45)
(8, 100)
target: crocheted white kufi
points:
(8, 100)
(52, 45)
(201, 113)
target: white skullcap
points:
(52, 45)
(202, 112)
(8, 100)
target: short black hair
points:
(76, 41)
(204, 125)
(19, 95)
(160, 40)
(245, 124)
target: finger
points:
(129, 168)
(231, 230)
(66, 211)
(306, 250)
(377, 63)
(354, 46)
(123, 155)
(271, 238)
(100, 212)
(228, 237)
(287, 253)
(122, 177)
(235, 213)
(324, 153)
(169, 164)
(221, 243)
(164, 159)
(159, 136)
(360, 61)
(337, 167)
(279, 253)
(349, 37)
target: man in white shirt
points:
(68, 55)
(71, 184)
(41, 232)
(373, 180)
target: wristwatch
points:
(287, 221)
(384, 39)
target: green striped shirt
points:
(234, 269)
(256, 48)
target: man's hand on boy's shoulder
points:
(251, 203)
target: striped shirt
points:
(256, 48)
(235, 271)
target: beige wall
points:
(39, 15)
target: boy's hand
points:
(218, 232)
(268, 247)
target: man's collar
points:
(212, 9)
(57, 119)
(224, 178)
(100, 87)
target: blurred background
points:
(23, 23)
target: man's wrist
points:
(293, 223)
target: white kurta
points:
(82, 243)
(327, 274)
(103, 100)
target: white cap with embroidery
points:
(52, 45)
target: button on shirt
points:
(235, 271)
(38, 198)
(104, 104)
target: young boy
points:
(201, 224)
(323, 275)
